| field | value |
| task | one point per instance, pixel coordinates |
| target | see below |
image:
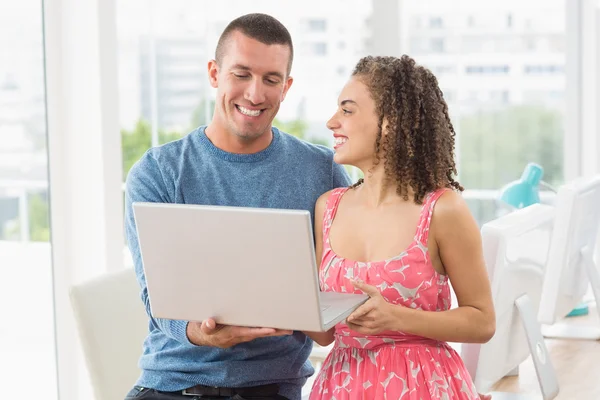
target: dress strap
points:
(422, 234)
(331, 208)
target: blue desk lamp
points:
(525, 192)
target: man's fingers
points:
(227, 335)
(283, 332)
(256, 331)
(264, 332)
(260, 332)
(242, 331)
(209, 327)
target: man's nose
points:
(255, 92)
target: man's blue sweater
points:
(289, 174)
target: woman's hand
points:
(374, 316)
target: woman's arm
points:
(458, 239)
(322, 338)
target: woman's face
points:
(354, 126)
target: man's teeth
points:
(340, 140)
(250, 113)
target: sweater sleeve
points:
(340, 176)
(146, 183)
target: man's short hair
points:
(260, 27)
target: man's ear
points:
(213, 73)
(286, 87)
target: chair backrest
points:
(112, 324)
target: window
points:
(487, 69)
(437, 45)
(318, 49)
(164, 90)
(499, 96)
(500, 125)
(164, 93)
(316, 25)
(176, 76)
(449, 96)
(25, 252)
(418, 45)
(543, 69)
(529, 43)
(163, 97)
(443, 69)
(436, 22)
(472, 44)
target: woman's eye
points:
(346, 112)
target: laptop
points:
(238, 265)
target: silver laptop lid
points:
(241, 266)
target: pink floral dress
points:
(390, 365)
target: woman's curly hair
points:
(418, 147)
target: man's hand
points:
(208, 333)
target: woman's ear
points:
(384, 126)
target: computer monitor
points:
(571, 267)
(515, 250)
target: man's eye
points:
(241, 76)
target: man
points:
(239, 159)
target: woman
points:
(400, 235)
